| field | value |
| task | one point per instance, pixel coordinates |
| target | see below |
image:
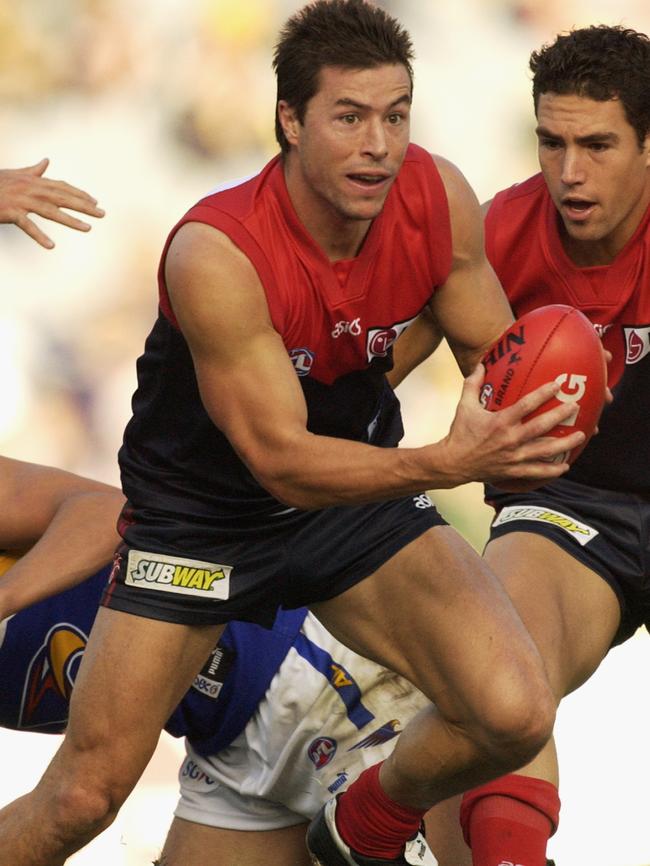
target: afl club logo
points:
(50, 677)
(302, 360)
(380, 340)
(637, 344)
(321, 751)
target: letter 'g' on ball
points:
(552, 343)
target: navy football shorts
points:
(311, 556)
(606, 530)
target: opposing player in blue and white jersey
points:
(276, 722)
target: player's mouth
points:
(577, 209)
(371, 181)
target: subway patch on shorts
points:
(172, 574)
(582, 533)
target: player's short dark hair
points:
(600, 63)
(351, 34)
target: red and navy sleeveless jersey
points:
(524, 246)
(338, 322)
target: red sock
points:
(370, 822)
(510, 821)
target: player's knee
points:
(88, 800)
(517, 722)
(85, 806)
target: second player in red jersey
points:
(573, 554)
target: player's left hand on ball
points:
(507, 448)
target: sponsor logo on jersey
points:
(380, 340)
(321, 751)
(381, 735)
(353, 327)
(302, 360)
(210, 679)
(422, 501)
(191, 771)
(340, 780)
(637, 344)
(172, 574)
(50, 677)
(581, 532)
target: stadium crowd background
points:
(149, 105)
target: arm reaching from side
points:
(66, 523)
(25, 191)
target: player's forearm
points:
(340, 472)
(78, 542)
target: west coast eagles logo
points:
(50, 678)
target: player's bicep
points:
(247, 382)
(471, 307)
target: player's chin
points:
(365, 210)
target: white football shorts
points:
(311, 735)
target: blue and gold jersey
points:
(41, 649)
(40, 653)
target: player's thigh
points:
(436, 614)
(571, 612)
(133, 674)
(190, 843)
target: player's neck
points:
(339, 236)
(589, 254)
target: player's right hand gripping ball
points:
(550, 343)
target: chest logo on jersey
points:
(637, 343)
(302, 360)
(380, 340)
(353, 327)
(50, 677)
(172, 574)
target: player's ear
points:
(288, 121)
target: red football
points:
(558, 343)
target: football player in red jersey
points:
(260, 469)
(25, 191)
(573, 555)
